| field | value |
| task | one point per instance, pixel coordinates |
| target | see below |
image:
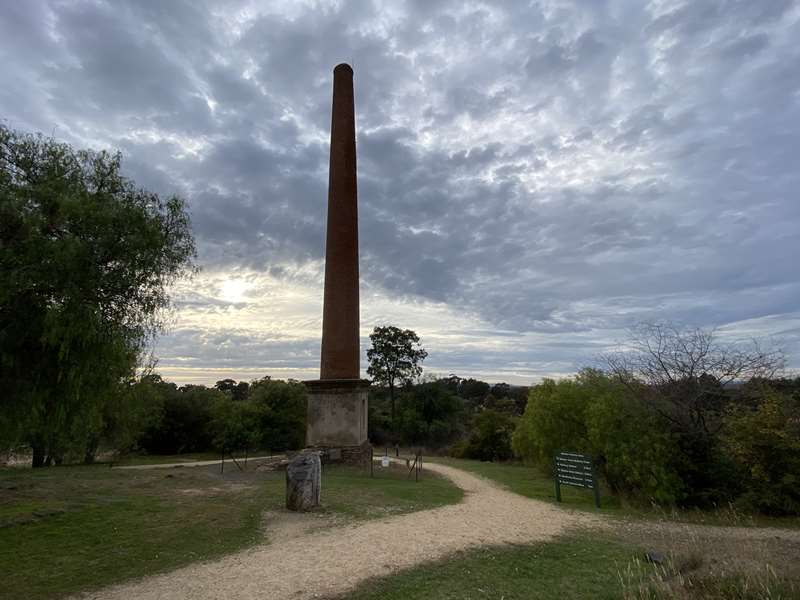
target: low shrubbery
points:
(677, 419)
(490, 439)
(595, 415)
(153, 416)
(751, 458)
(193, 418)
(765, 445)
(428, 414)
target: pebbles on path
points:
(332, 561)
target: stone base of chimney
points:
(338, 412)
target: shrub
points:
(236, 425)
(283, 413)
(554, 420)
(430, 414)
(634, 452)
(458, 449)
(765, 443)
(185, 421)
(596, 415)
(491, 437)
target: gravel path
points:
(300, 564)
(196, 463)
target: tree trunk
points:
(89, 457)
(391, 396)
(91, 451)
(38, 456)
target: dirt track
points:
(300, 564)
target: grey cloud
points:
(563, 170)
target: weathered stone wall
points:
(357, 455)
(337, 414)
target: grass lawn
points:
(189, 457)
(389, 492)
(532, 483)
(570, 567)
(579, 566)
(148, 459)
(69, 529)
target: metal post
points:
(371, 462)
(222, 463)
(558, 489)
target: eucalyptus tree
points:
(395, 357)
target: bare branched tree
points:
(685, 373)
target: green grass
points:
(388, 492)
(70, 529)
(533, 483)
(571, 567)
(148, 459)
(585, 565)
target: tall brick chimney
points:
(338, 401)
(340, 318)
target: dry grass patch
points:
(712, 562)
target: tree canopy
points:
(394, 357)
(86, 260)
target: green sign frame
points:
(577, 470)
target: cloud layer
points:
(533, 177)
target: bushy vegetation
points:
(441, 412)
(593, 414)
(195, 418)
(429, 412)
(490, 438)
(764, 442)
(686, 421)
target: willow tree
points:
(86, 261)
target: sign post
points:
(576, 470)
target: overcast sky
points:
(534, 177)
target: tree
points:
(473, 391)
(690, 379)
(765, 443)
(501, 390)
(430, 414)
(595, 414)
(128, 410)
(684, 373)
(395, 357)
(452, 382)
(490, 439)
(86, 259)
(185, 423)
(283, 416)
(235, 425)
(237, 391)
